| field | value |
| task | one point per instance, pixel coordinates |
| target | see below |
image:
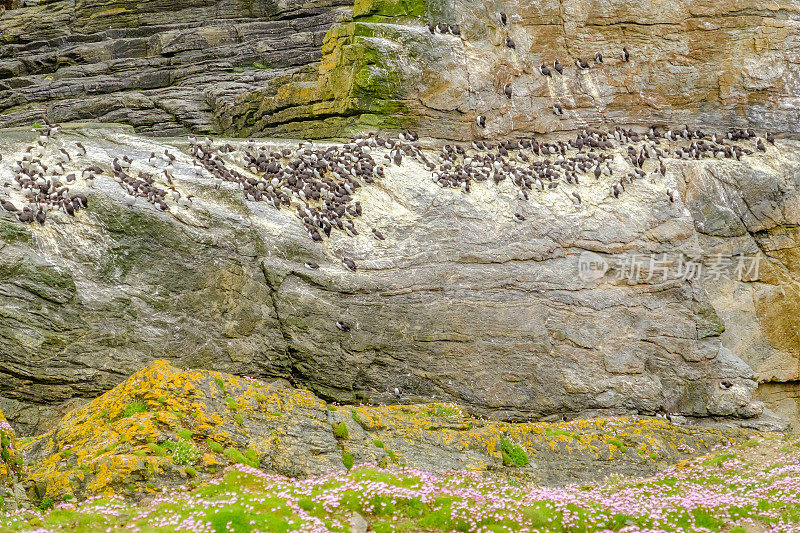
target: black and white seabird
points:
(344, 326)
(558, 109)
(507, 90)
(510, 43)
(558, 67)
(545, 71)
(583, 65)
(311, 266)
(349, 263)
(503, 19)
(625, 55)
(481, 121)
(598, 57)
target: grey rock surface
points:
(460, 302)
(165, 67)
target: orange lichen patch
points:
(130, 434)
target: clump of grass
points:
(340, 431)
(184, 434)
(558, 432)
(215, 446)
(157, 450)
(378, 443)
(444, 411)
(220, 384)
(239, 419)
(513, 454)
(184, 452)
(231, 403)
(134, 408)
(718, 459)
(619, 444)
(46, 503)
(249, 458)
(191, 472)
(252, 458)
(347, 459)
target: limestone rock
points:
(459, 303)
(164, 68)
(711, 65)
(325, 68)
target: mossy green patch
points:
(340, 431)
(134, 408)
(513, 454)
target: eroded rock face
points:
(709, 64)
(461, 302)
(163, 67)
(326, 68)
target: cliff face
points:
(164, 67)
(460, 302)
(326, 68)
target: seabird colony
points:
(320, 183)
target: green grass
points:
(184, 452)
(407, 501)
(513, 454)
(558, 432)
(619, 444)
(220, 384)
(718, 459)
(347, 459)
(231, 403)
(443, 411)
(134, 408)
(340, 431)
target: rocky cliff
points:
(326, 68)
(163, 67)
(480, 298)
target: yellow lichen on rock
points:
(169, 427)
